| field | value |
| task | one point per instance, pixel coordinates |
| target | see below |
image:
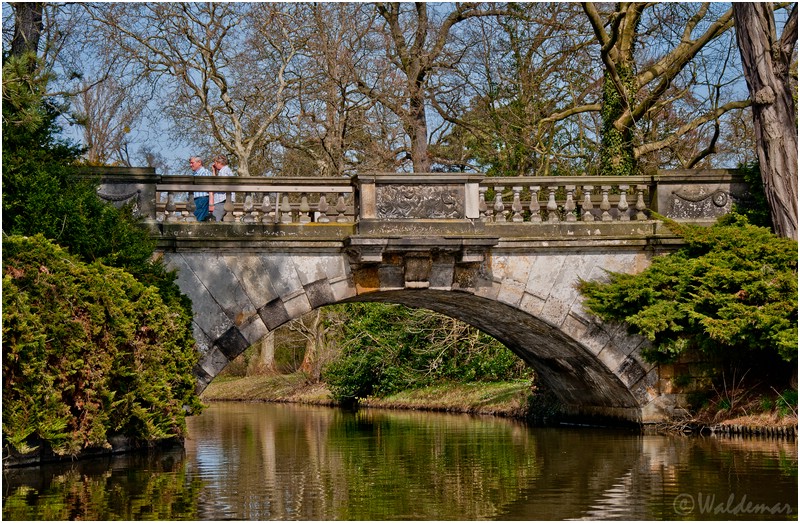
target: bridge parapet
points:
(435, 203)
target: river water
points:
(287, 462)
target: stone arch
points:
(594, 368)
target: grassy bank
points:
(508, 399)
(499, 399)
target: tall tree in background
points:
(415, 47)
(511, 99)
(28, 25)
(767, 60)
(635, 89)
(330, 115)
(306, 89)
(107, 114)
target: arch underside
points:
(563, 365)
(593, 368)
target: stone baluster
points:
(265, 209)
(622, 205)
(640, 206)
(516, 205)
(286, 210)
(536, 209)
(569, 205)
(341, 207)
(322, 209)
(499, 206)
(304, 216)
(552, 206)
(483, 209)
(170, 214)
(250, 213)
(587, 215)
(605, 205)
(228, 217)
(190, 208)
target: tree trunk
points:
(265, 362)
(28, 27)
(766, 61)
(419, 132)
(617, 156)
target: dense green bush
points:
(730, 293)
(88, 353)
(388, 348)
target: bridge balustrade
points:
(570, 199)
(260, 200)
(473, 198)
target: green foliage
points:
(42, 193)
(88, 353)
(787, 402)
(730, 293)
(388, 348)
(756, 209)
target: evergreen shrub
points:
(88, 353)
(730, 294)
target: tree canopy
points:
(507, 88)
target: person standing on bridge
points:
(200, 198)
(217, 203)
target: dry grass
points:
(500, 399)
(293, 388)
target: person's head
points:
(220, 161)
(195, 163)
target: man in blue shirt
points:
(200, 198)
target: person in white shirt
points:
(220, 168)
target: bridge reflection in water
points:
(285, 462)
(503, 254)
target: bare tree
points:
(224, 69)
(767, 59)
(415, 40)
(313, 327)
(330, 113)
(107, 114)
(511, 99)
(636, 87)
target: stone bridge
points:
(502, 254)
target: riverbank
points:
(506, 399)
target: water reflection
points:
(132, 487)
(264, 461)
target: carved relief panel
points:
(420, 201)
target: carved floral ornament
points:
(132, 197)
(688, 205)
